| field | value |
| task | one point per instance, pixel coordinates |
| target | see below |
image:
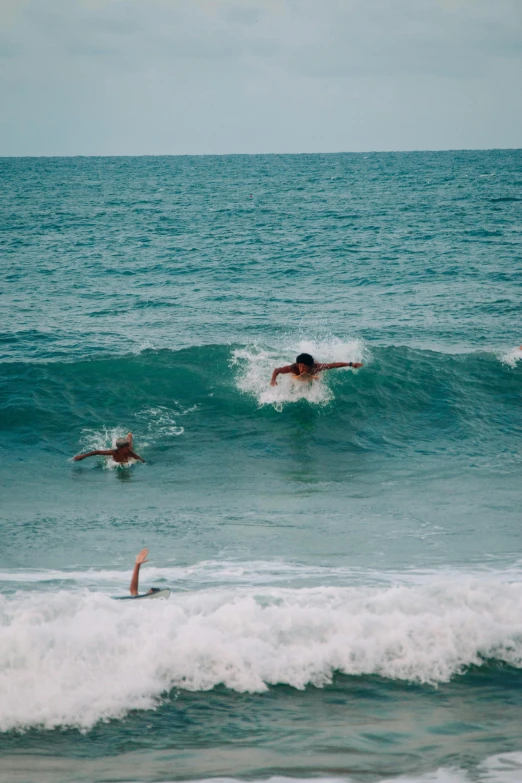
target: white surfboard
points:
(156, 594)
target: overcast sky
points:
(130, 77)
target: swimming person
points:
(306, 369)
(121, 454)
(140, 559)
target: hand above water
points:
(142, 556)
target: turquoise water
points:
(344, 557)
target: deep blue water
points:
(344, 556)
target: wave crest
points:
(512, 357)
(76, 658)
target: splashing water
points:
(512, 357)
(257, 364)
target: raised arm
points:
(335, 365)
(104, 453)
(141, 558)
(281, 371)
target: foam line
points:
(76, 658)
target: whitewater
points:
(344, 556)
(74, 660)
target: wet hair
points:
(305, 358)
(121, 442)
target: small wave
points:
(512, 357)
(501, 768)
(72, 659)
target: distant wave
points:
(74, 658)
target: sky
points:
(167, 77)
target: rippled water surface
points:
(344, 556)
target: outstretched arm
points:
(141, 558)
(335, 365)
(136, 456)
(281, 371)
(104, 453)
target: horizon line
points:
(260, 154)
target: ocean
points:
(345, 555)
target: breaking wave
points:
(75, 658)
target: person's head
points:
(305, 362)
(122, 444)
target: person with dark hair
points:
(305, 368)
(121, 454)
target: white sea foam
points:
(503, 768)
(160, 422)
(512, 356)
(257, 364)
(73, 658)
